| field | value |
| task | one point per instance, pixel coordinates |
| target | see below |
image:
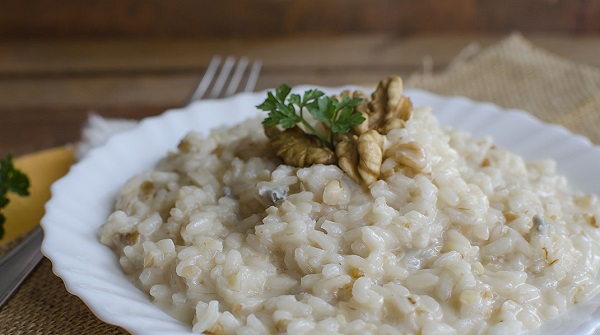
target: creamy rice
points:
(225, 238)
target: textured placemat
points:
(517, 74)
(512, 74)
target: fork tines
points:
(222, 71)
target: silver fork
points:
(16, 265)
(225, 76)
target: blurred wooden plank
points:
(75, 73)
(91, 92)
(101, 91)
(269, 18)
(19, 59)
(90, 74)
(48, 89)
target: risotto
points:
(226, 238)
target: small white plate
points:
(83, 199)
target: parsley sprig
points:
(287, 110)
(11, 180)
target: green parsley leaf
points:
(346, 119)
(311, 95)
(267, 105)
(349, 102)
(290, 121)
(19, 183)
(295, 100)
(11, 180)
(3, 201)
(322, 110)
(2, 220)
(282, 92)
(286, 110)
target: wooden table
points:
(47, 87)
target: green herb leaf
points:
(267, 105)
(19, 183)
(290, 121)
(346, 120)
(282, 92)
(322, 110)
(349, 102)
(340, 116)
(11, 180)
(337, 116)
(3, 201)
(2, 220)
(311, 95)
(295, 100)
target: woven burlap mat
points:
(517, 74)
(512, 74)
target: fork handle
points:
(18, 263)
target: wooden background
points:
(237, 18)
(61, 60)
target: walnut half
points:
(297, 148)
(388, 107)
(360, 157)
(370, 153)
(347, 152)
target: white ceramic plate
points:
(82, 200)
